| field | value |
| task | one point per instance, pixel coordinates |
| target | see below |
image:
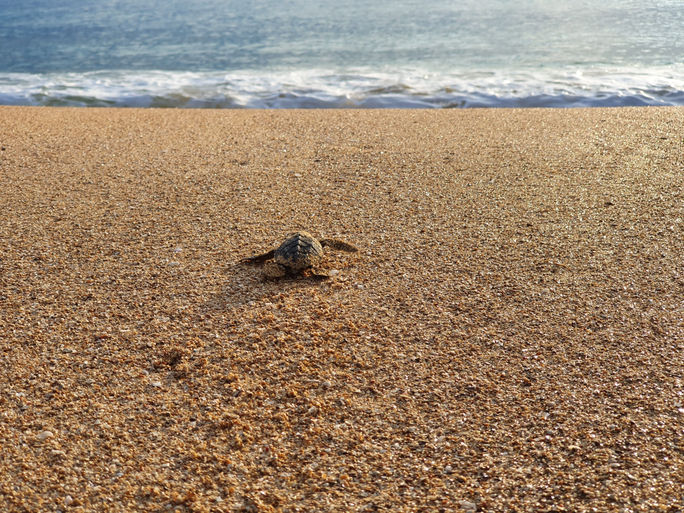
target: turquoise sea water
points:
(344, 53)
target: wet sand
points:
(508, 338)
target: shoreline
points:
(357, 88)
(508, 337)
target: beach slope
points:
(508, 338)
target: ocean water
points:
(342, 53)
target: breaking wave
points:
(349, 89)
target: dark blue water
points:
(347, 53)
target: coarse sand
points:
(509, 338)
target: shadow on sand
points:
(245, 284)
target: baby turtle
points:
(299, 252)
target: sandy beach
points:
(509, 338)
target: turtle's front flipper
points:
(258, 259)
(338, 244)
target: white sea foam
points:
(351, 88)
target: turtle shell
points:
(300, 251)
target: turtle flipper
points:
(274, 270)
(258, 259)
(317, 277)
(338, 244)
